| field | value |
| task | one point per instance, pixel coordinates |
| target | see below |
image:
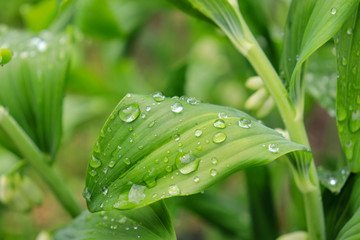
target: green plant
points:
(153, 148)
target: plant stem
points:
(295, 126)
(36, 158)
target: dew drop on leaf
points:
(219, 137)
(342, 114)
(273, 148)
(111, 163)
(198, 133)
(214, 160)
(127, 161)
(136, 193)
(192, 100)
(148, 108)
(151, 124)
(105, 190)
(333, 11)
(129, 113)
(168, 169)
(222, 115)
(196, 179)
(176, 137)
(94, 162)
(355, 121)
(187, 162)
(86, 194)
(177, 108)
(219, 123)
(213, 172)
(158, 97)
(174, 190)
(93, 172)
(245, 122)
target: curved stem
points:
(36, 158)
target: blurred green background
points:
(142, 46)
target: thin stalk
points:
(309, 185)
(36, 158)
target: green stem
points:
(35, 157)
(295, 126)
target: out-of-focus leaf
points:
(327, 17)
(151, 222)
(32, 86)
(210, 207)
(153, 147)
(187, 7)
(40, 16)
(348, 89)
(261, 204)
(321, 77)
(112, 18)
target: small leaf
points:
(33, 84)
(5, 56)
(347, 43)
(151, 222)
(325, 20)
(154, 147)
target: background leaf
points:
(325, 20)
(348, 89)
(33, 84)
(151, 222)
(152, 148)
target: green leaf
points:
(112, 18)
(33, 84)
(187, 7)
(348, 89)
(153, 147)
(151, 222)
(227, 17)
(40, 16)
(327, 17)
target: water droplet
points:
(214, 160)
(341, 114)
(332, 181)
(198, 133)
(93, 172)
(129, 113)
(111, 164)
(219, 137)
(245, 122)
(219, 123)
(151, 124)
(355, 121)
(127, 161)
(168, 169)
(344, 61)
(158, 97)
(97, 147)
(213, 172)
(349, 31)
(333, 11)
(196, 179)
(150, 178)
(187, 162)
(86, 194)
(131, 140)
(105, 170)
(174, 190)
(222, 115)
(136, 193)
(193, 100)
(148, 109)
(94, 162)
(176, 137)
(166, 160)
(274, 148)
(177, 107)
(105, 190)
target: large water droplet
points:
(174, 190)
(245, 122)
(333, 11)
(198, 133)
(219, 137)
(158, 97)
(177, 107)
(186, 162)
(94, 162)
(150, 178)
(129, 113)
(136, 193)
(213, 172)
(219, 123)
(273, 147)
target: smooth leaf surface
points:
(153, 148)
(325, 20)
(32, 85)
(348, 90)
(188, 8)
(151, 222)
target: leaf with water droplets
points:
(310, 24)
(183, 153)
(348, 90)
(33, 84)
(151, 222)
